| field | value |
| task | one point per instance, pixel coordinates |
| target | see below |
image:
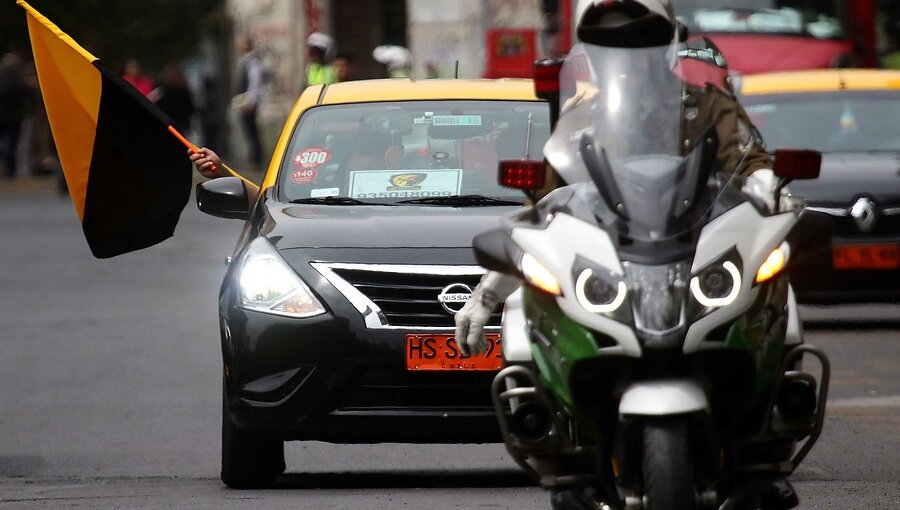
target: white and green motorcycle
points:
(653, 352)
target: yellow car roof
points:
(823, 80)
(409, 89)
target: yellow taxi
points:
(337, 310)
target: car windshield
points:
(821, 19)
(828, 122)
(391, 152)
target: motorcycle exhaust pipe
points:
(531, 421)
(796, 400)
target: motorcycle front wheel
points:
(668, 466)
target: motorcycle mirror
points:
(523, 174)
(545, 73)
(496, 251)
(793, 164)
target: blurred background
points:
(189, 45)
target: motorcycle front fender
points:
(663, 397)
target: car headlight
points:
(269, 285)
(719, 283)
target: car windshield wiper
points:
(461, 201)
(334, 201)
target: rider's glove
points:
(493, 289)
(763, 183)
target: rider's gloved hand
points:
(763, 183)
(493, 289)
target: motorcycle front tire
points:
(668, 466)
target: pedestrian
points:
(395, 59)
(319, 48)
(134, 74)
(13, 99)
(249, 93)
(344, 67)
(174, 97)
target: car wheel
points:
(248, 460)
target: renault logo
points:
(864, 214)
(454, 296)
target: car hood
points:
(291, 226)
(847, 176)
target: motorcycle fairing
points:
(754, 236)
(585, 240)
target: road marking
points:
(888, 401)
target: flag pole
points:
(194, 149)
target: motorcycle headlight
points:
(657, 295)
(599, 290)
(718, 284)
(539, 276)
(269, 285)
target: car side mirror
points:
(496, 251)
(794, 164)
(225, 197)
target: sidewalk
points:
(26, 185)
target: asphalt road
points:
(110, 381)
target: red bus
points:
(754, 35)
(778, 35)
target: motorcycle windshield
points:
(630, 125)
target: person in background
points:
(319, 48)
(344, 67)
(249, 91)
(395, 59)
(13, 100)
(134, 74)
(173, 97)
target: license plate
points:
(440, 352)
(866, 256)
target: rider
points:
(641, 24)
(644, 24)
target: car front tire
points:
(248, 460)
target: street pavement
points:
(110, 390)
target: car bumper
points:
(329, 378)
(816, 281)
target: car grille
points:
(387, 388)
(409, 299)
(845, 226)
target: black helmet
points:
(626, 23)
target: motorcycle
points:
(654, 357)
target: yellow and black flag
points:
(129, 178)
